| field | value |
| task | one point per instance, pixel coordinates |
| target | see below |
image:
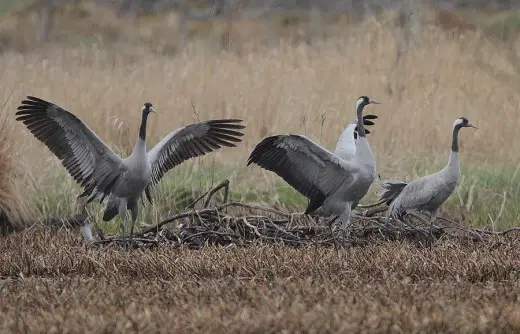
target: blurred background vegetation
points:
(281, 65)
(166, 24)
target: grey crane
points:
(332, 184)
(427, 193)
(103, 173)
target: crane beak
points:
(472, 126)
(152, 110)
(372, 101)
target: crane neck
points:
(453, 161)
(360, 125)
(142, 129)
(363, 152)
(140, 145)
(455, 139)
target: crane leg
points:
(433, 216)
(387, 219)
(345, 220)
(122, 214)
(134, 210)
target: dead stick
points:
(174, 218)
(366, 206)
(255, 207)
(210, 192)
(373, 211)
(223, 184)
(512, 229)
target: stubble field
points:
(52, 282)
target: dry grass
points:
(390, 287)
(385, 287)
(288, 87)
(13, 206)
(280, 90)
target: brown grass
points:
(53, 283)
(385, 287)
(279, 90)
(13, 206)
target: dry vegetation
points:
(266, 289)
(294, 84)
(301, 88)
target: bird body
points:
(427, 193)
(103, 173)
(346, 145)
(332, 184)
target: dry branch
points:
(241, 224)
(244, 224)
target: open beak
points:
(472, 126)
(372, 101)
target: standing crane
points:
(429, 192)
(103, 173)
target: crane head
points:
(148, 108)
(462, 122)
(366, 100)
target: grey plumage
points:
(427, 193)
(332, 184)
(103, 173)
(391, 189)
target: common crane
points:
(103, 173)
(427, 193)
(333, 185)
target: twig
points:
(370, 213)
(244, 220)
(512, 229)
(255, 207)
(223, 184)
(172, 219)
(210, 193)
(371, 205)
(119, 239)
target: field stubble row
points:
(387, 286)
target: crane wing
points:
(309, 168)
(189, 142)
(390, 190)
(418, 194)
(87, 159)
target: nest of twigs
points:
(240, 224)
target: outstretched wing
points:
(87, 159)
(189, 142)
(309, 168)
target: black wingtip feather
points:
(269, 156)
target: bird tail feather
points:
(391, 189)
(111, 210)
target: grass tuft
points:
(13, 200)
